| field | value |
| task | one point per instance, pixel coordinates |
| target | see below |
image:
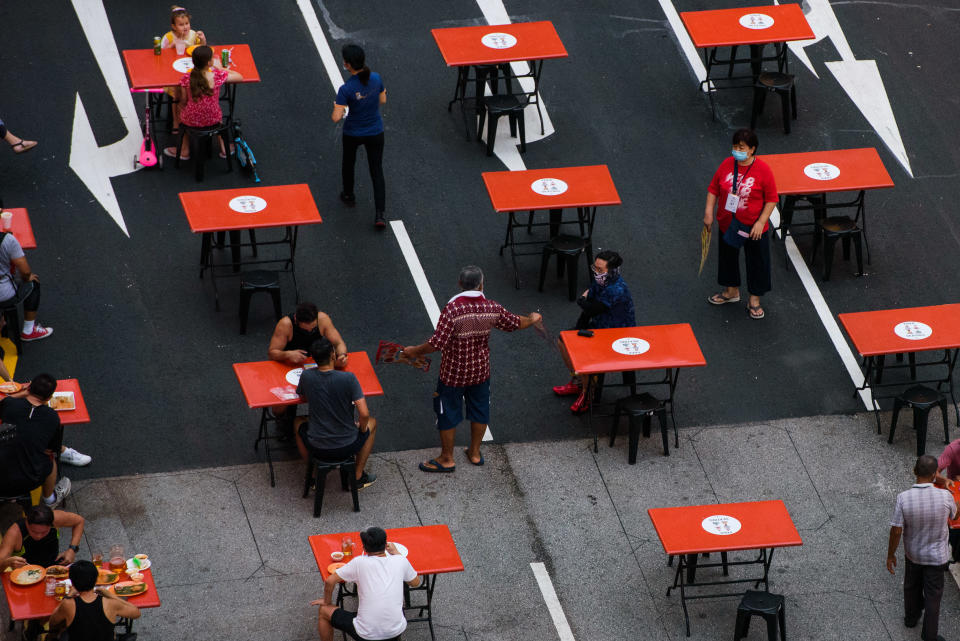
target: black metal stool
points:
(781, 84)
(11, 314)
(201, 142)
(568, 250)
(503, 105)
(260, 280)
(921, 399)
(348, 480)
(641, 405)
(769, 606)
(831, 229)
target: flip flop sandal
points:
(25, 145)
(171, 152)
(437, 469)
(751, 309)
(723, 299)
(478, 464)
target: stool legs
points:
(662, 415)
(829, 242)
(946, 425)
(544, 262)
(897, 405)
(920, 415)
(635, 436)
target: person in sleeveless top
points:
(290, 344)
(35, 539)
(89, 616)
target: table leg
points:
(590, 398)
(263, 435)
(235, 240)
(206, 240)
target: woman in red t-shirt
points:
(751, 200)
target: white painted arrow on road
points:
(95, 165)
(859, 78)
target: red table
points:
(250, 208)
(753, 27)
(30, 602)
(21, 228)
(810, 176)
(688, 531)
(258, 378)
(498, 46)
(632, 349)
(910, 331)
(553, 190)
(147, 70)
(431, 552)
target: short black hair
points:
(926, 466)
(306, 313)
(43, 386)
(321, 350)
(83, 575)
(748, 136)
(39, 515)
(611, 257)
(471, 277)
(374, 540)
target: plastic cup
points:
(181, 46)
(7, 220)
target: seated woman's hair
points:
(374, 540)
(83, 575)
(198, 83)
(321, 350)
(611, 257)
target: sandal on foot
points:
(24, 145)
(437, 468)
(171, 152)
(755, 311)
(478, 463)
(720, 299)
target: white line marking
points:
(416, 269)
(553, 603)
(320, 41)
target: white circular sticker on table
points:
(183, 65)
(821, 171)
(248, 204)
(630, 346)
(549, 186)
(721, 524)
(498, 40)
(756, 21)
(293, 376)
(912, 330)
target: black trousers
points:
(29, 292)
(756, 254)
(374, 147)
(923, 589)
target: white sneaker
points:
(60, 491)
(72, 457)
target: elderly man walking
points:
(921, 518)
(462, 336)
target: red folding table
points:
(265, 384)
(249, 208)
(489, 49)
(553, 190)
(431, 551)
(633, 349)
(911, 331)
(21, 228)
(753, 27)
(688, 531)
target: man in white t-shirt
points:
(379, 576)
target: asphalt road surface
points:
(139, 329)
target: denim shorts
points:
(448, 404)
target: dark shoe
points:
(910, 623)
(378, 221)
(366, 480)
(348, 200)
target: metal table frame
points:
(819, 205)
(714, 83)
(478, 79)
(586, 217)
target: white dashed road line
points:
(553, 603)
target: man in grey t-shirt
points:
(339, 424)
(11, 253)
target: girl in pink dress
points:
(200, 96)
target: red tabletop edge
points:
(431, 548)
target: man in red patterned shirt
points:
(462, 336)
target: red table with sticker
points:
(431, 551)
(912, 331)
(753, 27)
(21, 228)
(580, 188)
(27, 602)
(262, 381)
(497, 46)
(811, 175)
(148, 71)
(688, 531)
(633, 349)
(249, 208)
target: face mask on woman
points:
(738, 155)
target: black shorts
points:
(343, 620)
(336, 454)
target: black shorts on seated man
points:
(339, 424)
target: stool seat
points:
(781, 84)
(645, 406)
(568, 250)
(764, 604)
(348, 480)
(499, 105)
(922, 399)
(922, 396)
(201, 145)
(834, 228)
(503, 103)
(839, 225)
(259, 279)
(775, 80)
(640, 403)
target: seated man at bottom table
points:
(88, 615)
(330, 432)
(379, 576)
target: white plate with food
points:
(132, 563)
(63, 401)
